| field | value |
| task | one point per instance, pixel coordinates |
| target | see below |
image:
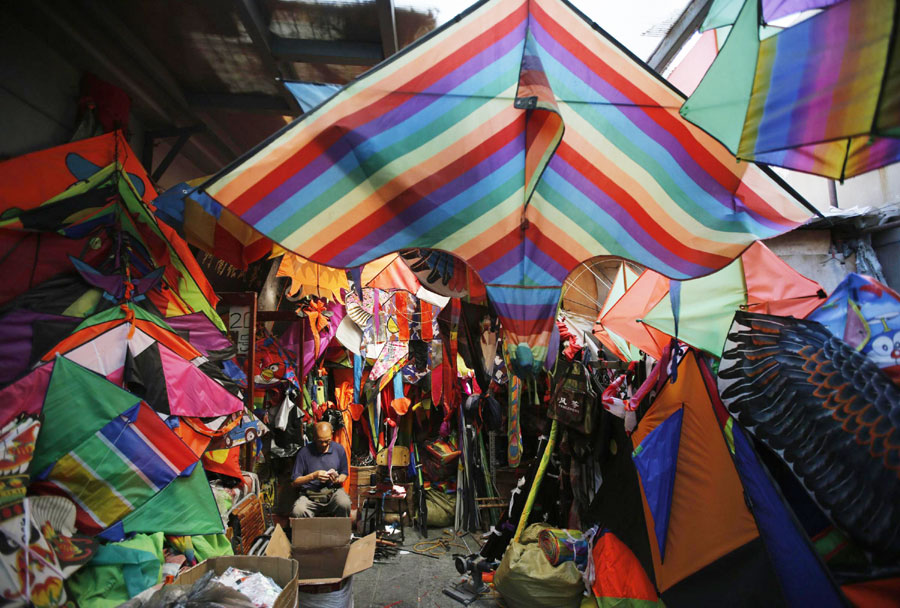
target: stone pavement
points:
(408, 581)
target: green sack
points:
(441, 508)
(525, 579)
(119, 571)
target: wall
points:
(810, 253)
(874, 189)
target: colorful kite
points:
(866, 315)
(138, 351)
(617, 345)
(205, 224)
(522, 140)
(622, 317)
(725, 12)
(655, 460)
(100, 211)
(711, 524)
(828, 412)
(102, 447)
(822, 96)
(758, 281)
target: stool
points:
(376, 505)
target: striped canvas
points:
(522, 140)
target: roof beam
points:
(130, 65)
(327, 51)
(257, 27)
(387, 24)
(684, 27)
(154, 68)
(243, 102)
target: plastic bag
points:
(204, 593)
(261, 590)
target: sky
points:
(626, 21)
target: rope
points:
(441, 546)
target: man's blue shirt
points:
(308, 459)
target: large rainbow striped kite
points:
(521, 138)
(822, 96)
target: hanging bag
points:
(574, 401)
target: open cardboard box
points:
(282, 570)
(321, 546)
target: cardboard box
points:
(282, 570)
(321, 546)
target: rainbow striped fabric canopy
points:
(522, 139)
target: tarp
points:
(822, 96)
(521, 139)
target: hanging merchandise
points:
(574, 401)
(299, 337)
(311, 279)
(513, 428)
(286, 426)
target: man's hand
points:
(321, 476)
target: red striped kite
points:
(522, 139)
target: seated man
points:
(319, 470)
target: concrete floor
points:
(411, 580)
